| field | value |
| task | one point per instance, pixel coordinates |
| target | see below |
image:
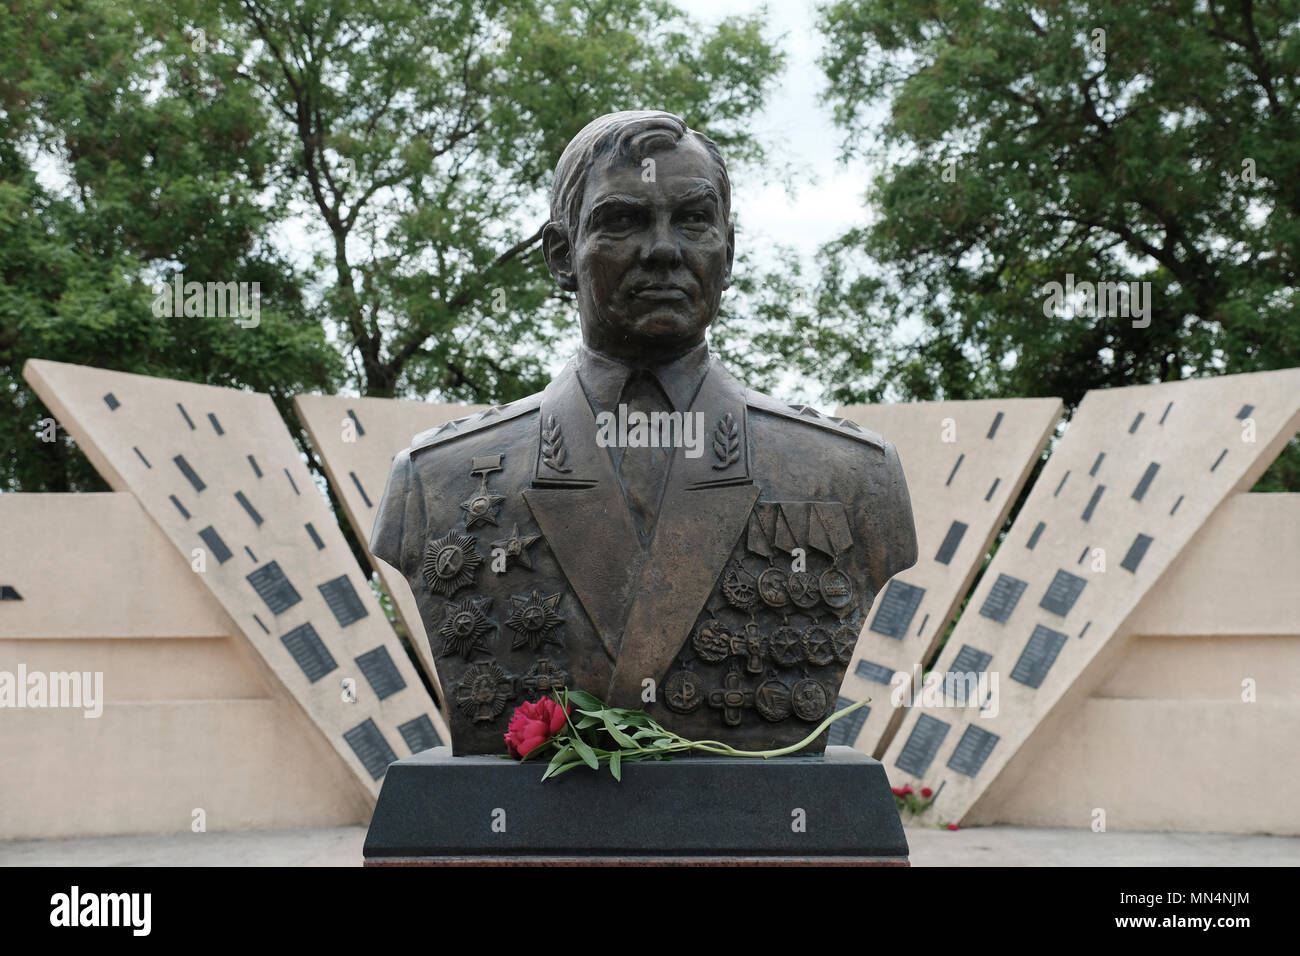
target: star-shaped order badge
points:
(483, 691)
(516, 546)
(533, 619)
(464, 627)
(450, 563)
(482, 507)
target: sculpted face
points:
(651, 258)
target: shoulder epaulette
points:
(472, 423)
(810, 416)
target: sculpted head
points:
(641, 231)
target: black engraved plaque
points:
(1002, 598)
(1092, 502)
(309, 651)
(1063, 592)
(845, 730)
(274, 588)
(1136, 552)
(362, 491)
(215, 544)
(1038, 656)
(342, 600)
(1147, 477)
(874, 672)
(972, 750)
(190, 474)
(420, 734)
(950, 542)
(248, 507)
(993, 429)
(922, 744)
(370, 747)
(380, 672)
(897, 607)
(966, 668)
(315, 538)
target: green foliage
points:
(1110, 141)
(379, 167)
(157, 169)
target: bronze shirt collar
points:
(603, 376)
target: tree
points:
(409, 145)
(119, 164)
(421, 140)
(1141, 143)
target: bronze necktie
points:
(642, 470)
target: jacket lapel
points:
(578, 503)
(706, 507)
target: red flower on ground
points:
(531, 725)
(926, 792)
(906, 791)
(896, 791)
(952, 826)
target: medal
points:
(772, 700)
(809, 700)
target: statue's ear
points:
(731, 254)
(559, 255)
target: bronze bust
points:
(646, 528)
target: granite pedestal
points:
(832, 808)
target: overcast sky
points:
(797, 125)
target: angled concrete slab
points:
(356, 439)
(965, 464)
(1137, 475)
(218, 472)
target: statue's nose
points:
(662, 248)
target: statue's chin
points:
(665, 326)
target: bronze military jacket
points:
(734, 622)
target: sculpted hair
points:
(631, 136)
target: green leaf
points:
(586, 753)
(564, 753)
(616, 766)
(622, 739)
(566, 768)
(585, 702)
(587, 722)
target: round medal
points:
(712, 641)
(809, 700)
(683, 692)
(845, 639)
(836, 588)
(739, 588)
(785, 646)
(772, 588)
(819, 645)
(802, 587)
(772, 700)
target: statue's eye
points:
(696, 217)
(623, 219)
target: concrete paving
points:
(979, 846)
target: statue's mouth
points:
(660, 293)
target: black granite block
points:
(834, 805)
